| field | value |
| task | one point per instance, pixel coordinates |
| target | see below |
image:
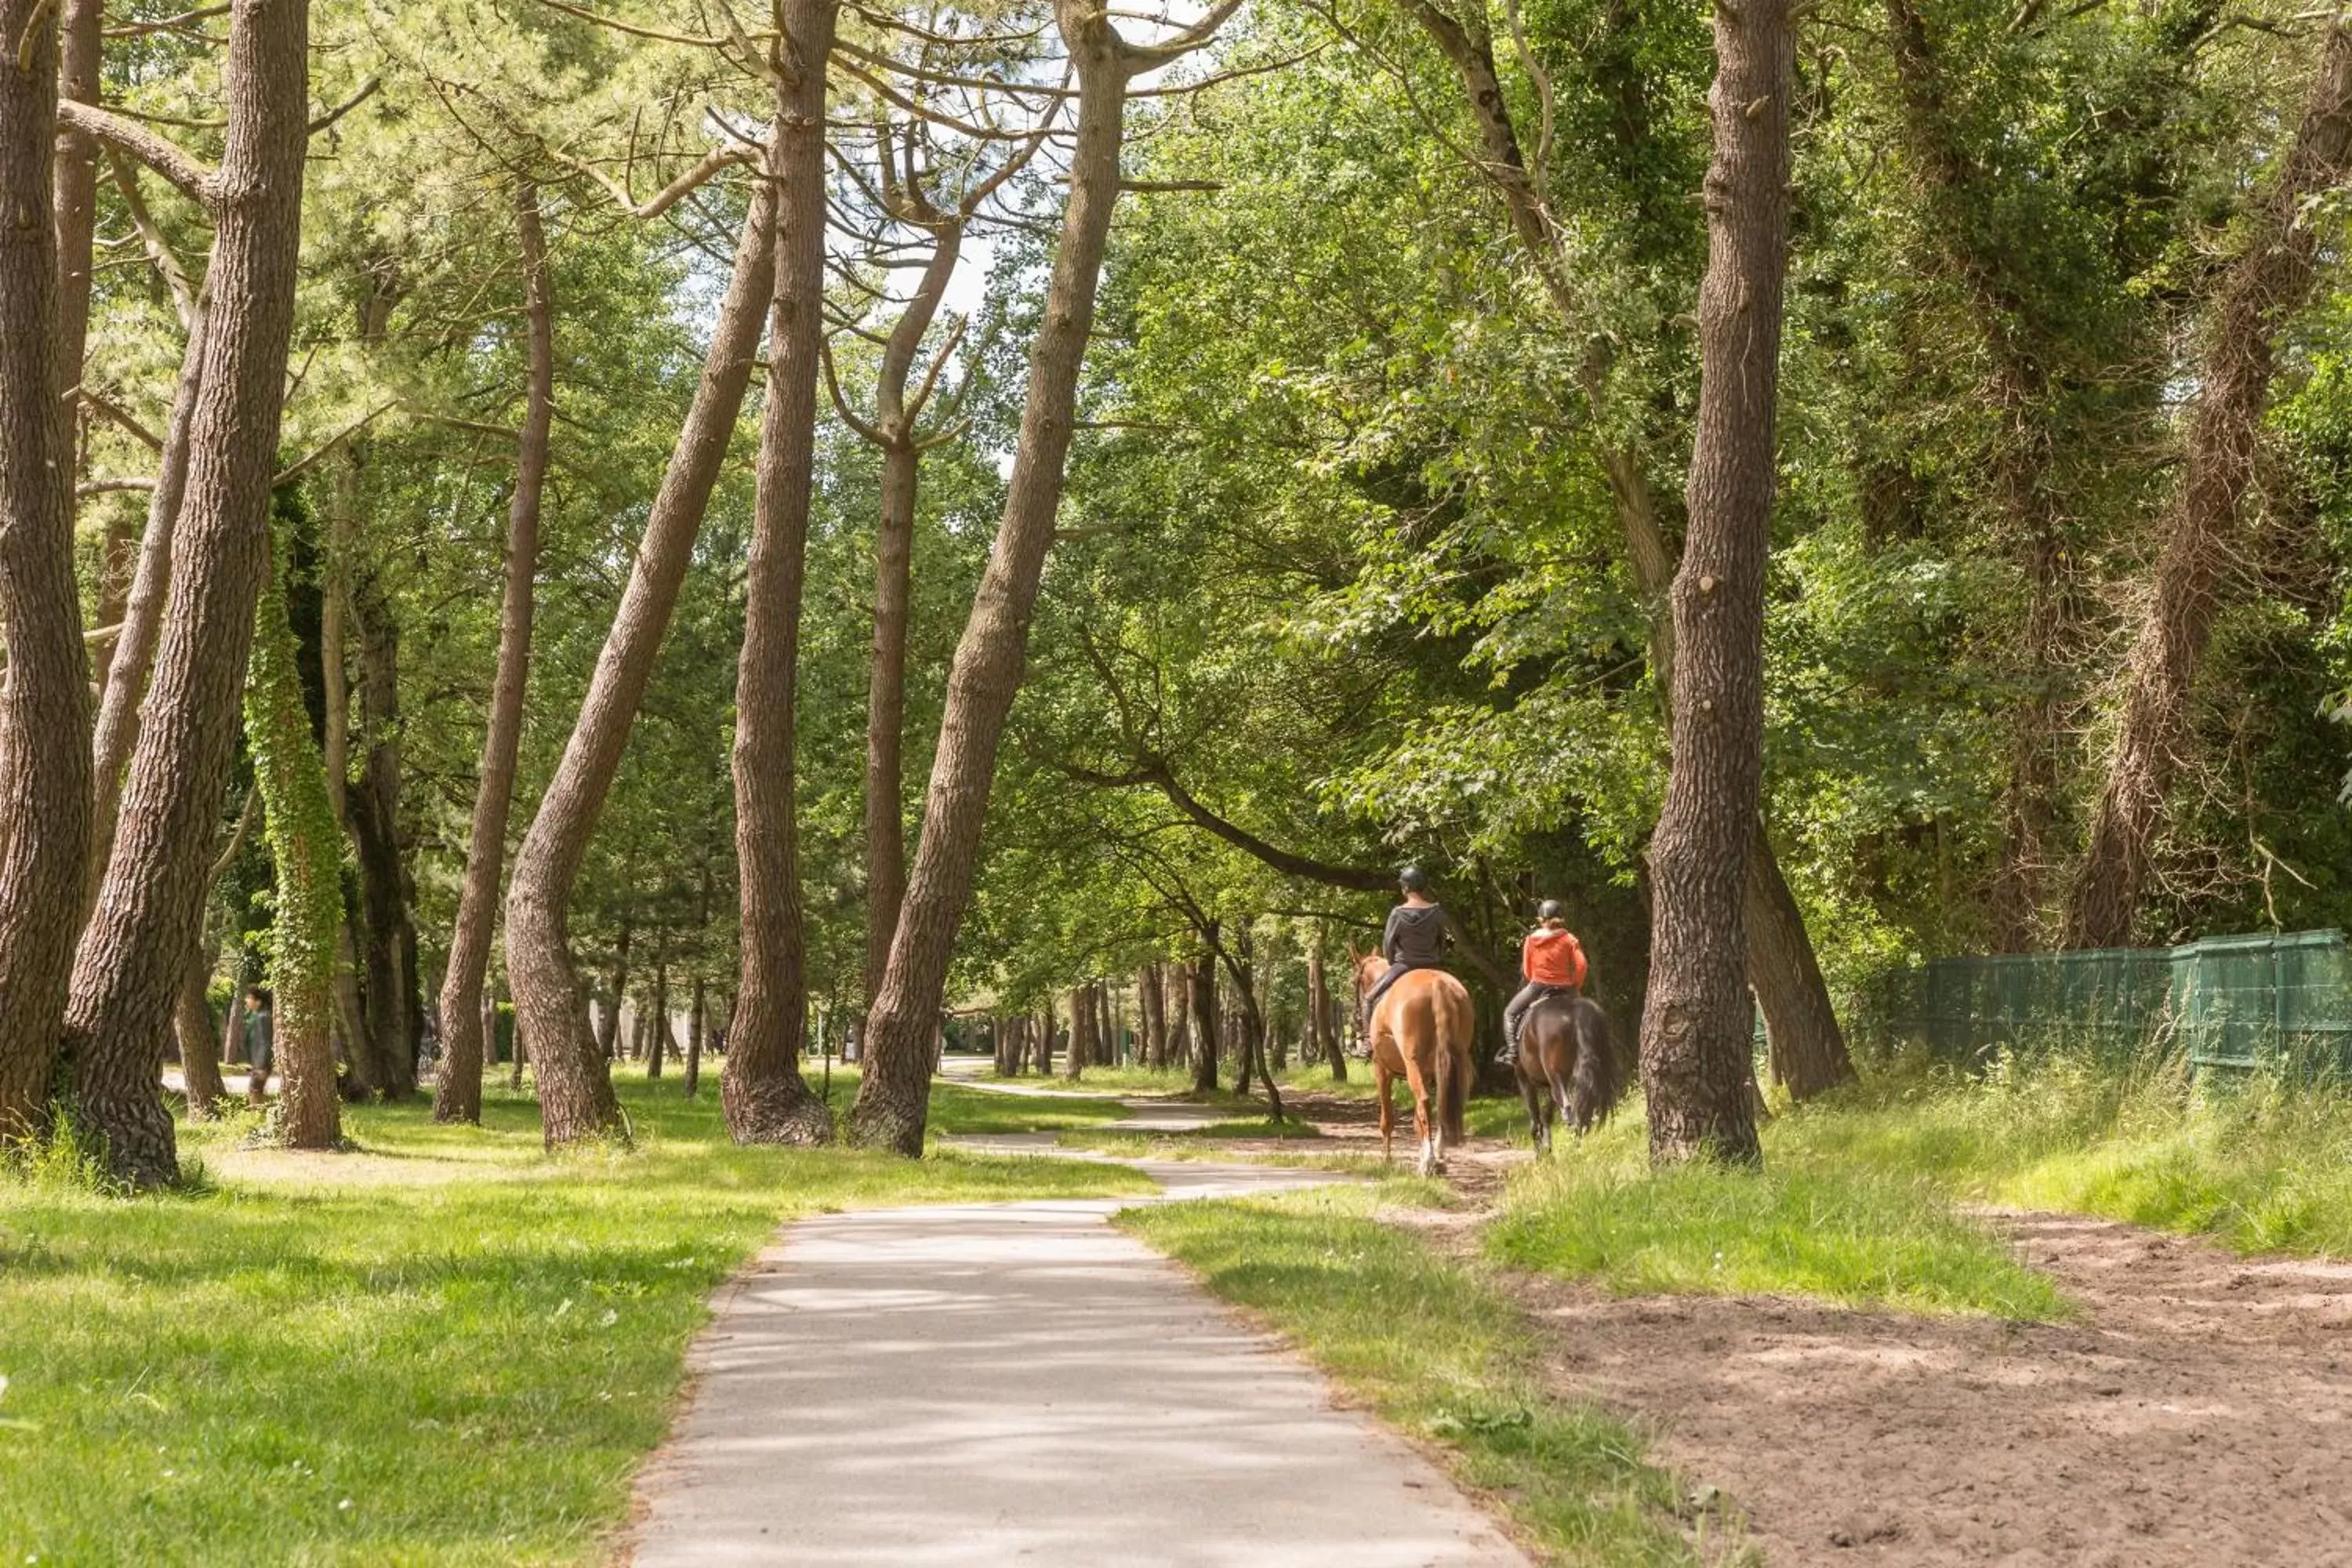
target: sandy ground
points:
(2199, 1411)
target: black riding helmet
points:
(1414, 879)
(1549, 909)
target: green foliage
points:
(305, 840)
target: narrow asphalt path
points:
(1021, 1383)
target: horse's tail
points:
(1598, 1081)
(1451, 1025)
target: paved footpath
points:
(1021, 1383)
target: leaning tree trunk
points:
(307, 848)
(192, 1026)
(765, 1098)
(1795, 1002)
(117, 730)
(2263, 288)
(576, 1088)
(894, 542)
(127, 973)
(894, 1098)
(45, 702)
(1807, 1051)
(457, 1091)
(1695, 1029)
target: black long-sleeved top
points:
(1416, 934)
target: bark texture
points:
(128, 972)
(576, 1088)
(44, 702)
(894, 1097)
(372, 812)
(1696, 1028)
(73, 198)
(457, 1091)
(192, 1028)
(764, 1096)
(2270, 277)
(134, 660)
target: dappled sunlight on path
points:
(991, 1384)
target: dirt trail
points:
(2200, 1412)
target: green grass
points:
(1824, 1229)
(445, 1348)
(1436, 1352)
(2259, 1165)
(958, 1108)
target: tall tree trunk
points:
(372, 811)
(1696, 1030)
(457, 1093)
(133, 657)
(697, 1022)
(1045, 1036)
(191, 1026)
(1796, 1003)
(1151, 1017)
(74, 195)
(766, 1099)
(44, 702)
(1201, 985)
(1807, 1050)
(1081, 1026)
(657, 1039)
(74, 202)
(2264, 286)
(575, 1090)
(1176, 976)
(894, 1098)
(894, 539)
(608, 1026)
(306, 845)
(127, 973)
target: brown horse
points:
(1567, 1065)
(1422, 1032)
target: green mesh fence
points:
(2280, 1003)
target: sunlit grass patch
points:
(444, 1348)
(1437, 1353)
(1831, 1230)
(2259, 1164)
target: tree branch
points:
(165, 156)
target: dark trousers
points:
(1515, 1011)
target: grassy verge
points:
(957, 1108)
(445, 1348)
(1825, 1228)
(1435, 1351)
(2260, 1165)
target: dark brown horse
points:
(1422, 1033)
(1567, 1065)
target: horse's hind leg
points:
(1383, 1081)
(1533, 1098)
